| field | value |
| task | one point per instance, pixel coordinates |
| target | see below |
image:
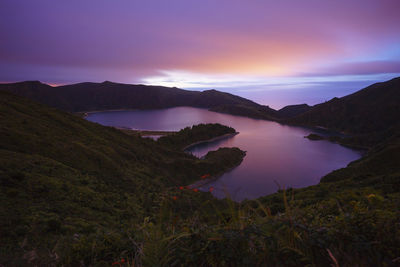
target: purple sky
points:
(274, 52)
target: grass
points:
(69, 186)
(76, 193)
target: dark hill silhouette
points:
(373, 109)
(293, 110)
(108, 95)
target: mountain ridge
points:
(373, 110)
(88, 96)
(369, 110)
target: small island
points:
(196, 134)
(314, 137)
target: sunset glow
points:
(200, 44)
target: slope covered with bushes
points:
(373, 109)
(195, 134)
(65, 181)
(77, 193)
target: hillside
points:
(76, 193)
(367, 111)
(108, 96)
(373, 109)
(260, 112)
(293, 110)
(65, 181)
(352, 215)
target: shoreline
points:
(316, 137)
(84, 114)
(317, 128)
(210, 140)
(203, 182)
(144, 132)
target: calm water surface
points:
(276, 153)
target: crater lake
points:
(277, 155)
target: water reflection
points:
(276, 153)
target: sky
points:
(273, 52)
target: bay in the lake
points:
(276, 154)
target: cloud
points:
(131, 40)
(252, 83)
(359, 68)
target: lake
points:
(277, 155)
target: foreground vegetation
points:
(76, 193)
(66, 181)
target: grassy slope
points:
(63, 177)
(370, 110)
(84, 212)
(351, 218)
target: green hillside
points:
(75, 193)
(373, 109)
(62, 177)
